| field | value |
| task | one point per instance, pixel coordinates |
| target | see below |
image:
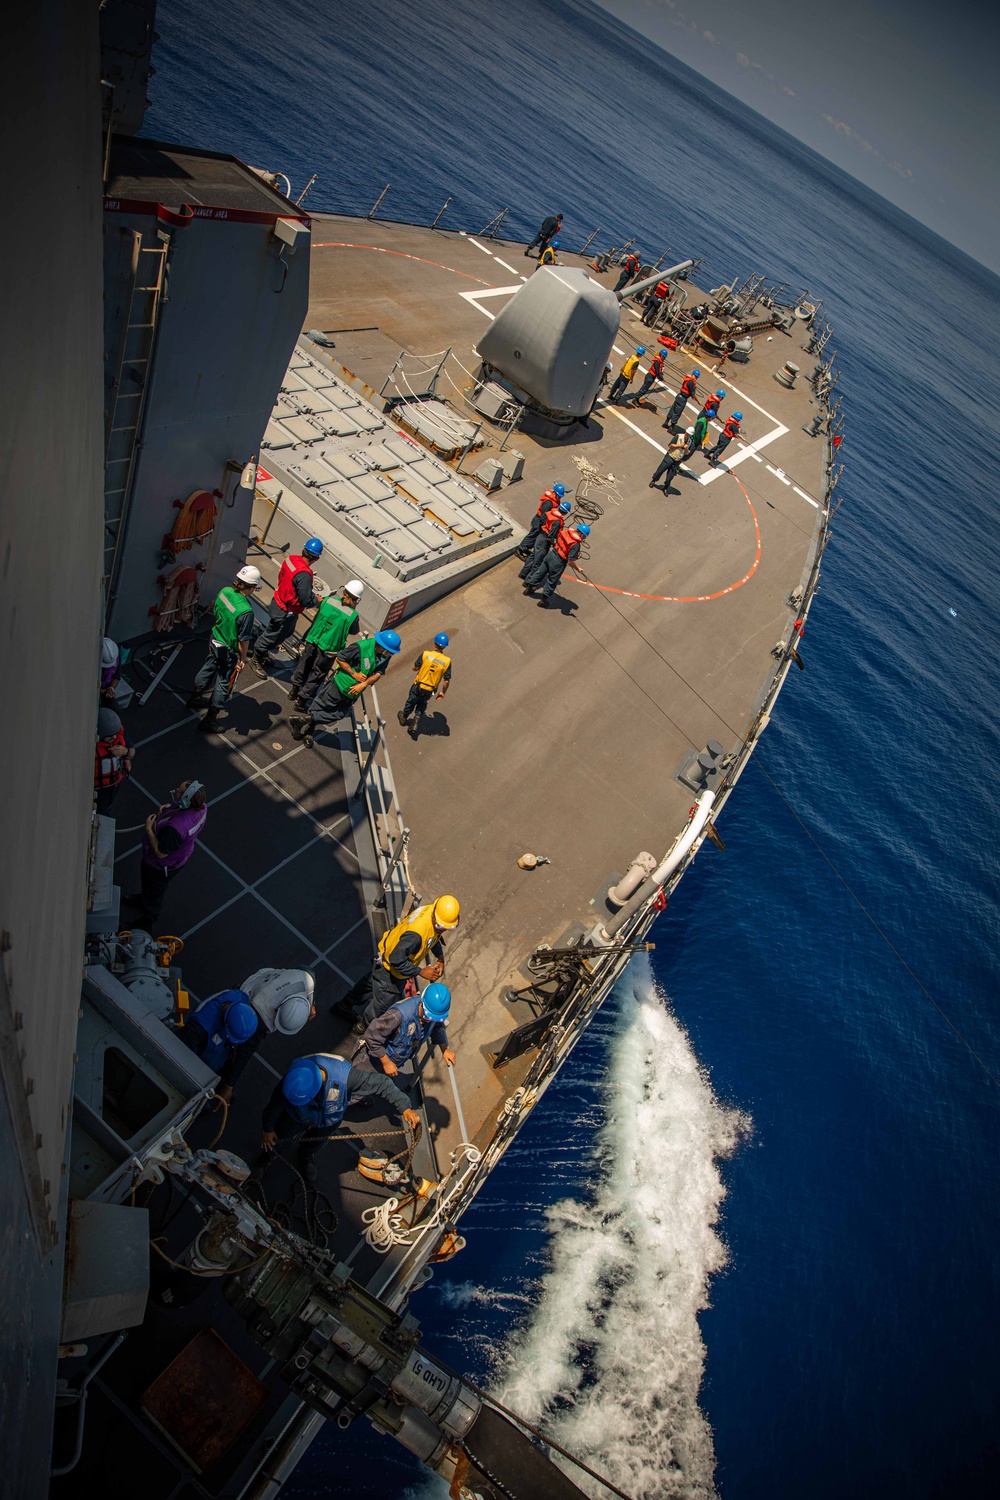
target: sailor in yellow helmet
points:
(433, 671)
(411, 950)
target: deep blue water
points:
(841, 1135)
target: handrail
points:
(377, 785)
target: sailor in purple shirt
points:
(110, 669)
(167, 844)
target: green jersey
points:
(332, 625)
(229, 605)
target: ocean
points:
(747, 1246)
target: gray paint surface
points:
(554, 337)
(227, 326)
(50, 478)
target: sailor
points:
(548, 255)
(711, 407)
(688, 387)
(433, 671)
(730, 430)
(232, 628)
(552, 523)
(625, 375)
(553, 565)
(630, 267)
(393, 1037)
(549, 227)
(354, 669)
(549, 498)
(293, 593)
(283, 998)
(675, 455)
(309, 1103)
(335, 620)
(697, 434)
(225, 1032)
(110, 668)
(112, 758)
(655, 301)
(168, 842)
(604, 381)
(402, 959)
(653, 374)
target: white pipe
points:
(670, 862)
(458, 1105)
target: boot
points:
(544, 603)
(306, 1165)
(196, 700)
(402, 718)
(210, 723)
(300, 725)
(256, 665)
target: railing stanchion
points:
(374, 208)
(440, 213)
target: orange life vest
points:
(552, 521)
(688, 385)
(110, 769)
(567, 539)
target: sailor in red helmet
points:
(293, 593)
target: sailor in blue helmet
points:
(730, 430)
(309, 1103)
(552, 523)
(710, 410)
(625, 376)
(393, 1037)
(562, 554)
(688, 387)
(548, 255)
(225, 1031)
(433, 669)
(548, 501)
(293, 593)
(355, 668)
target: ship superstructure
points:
(271, 376)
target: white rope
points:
(387, 1226)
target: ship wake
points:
(610, 1361)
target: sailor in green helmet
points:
(232, 629)
(355, 668)
(335, 620)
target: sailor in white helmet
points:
(283, 998)
(232, 629)
(110, 667)
(336, 619)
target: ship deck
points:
(561, 733)
(563, 729)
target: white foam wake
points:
(610, 1361)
